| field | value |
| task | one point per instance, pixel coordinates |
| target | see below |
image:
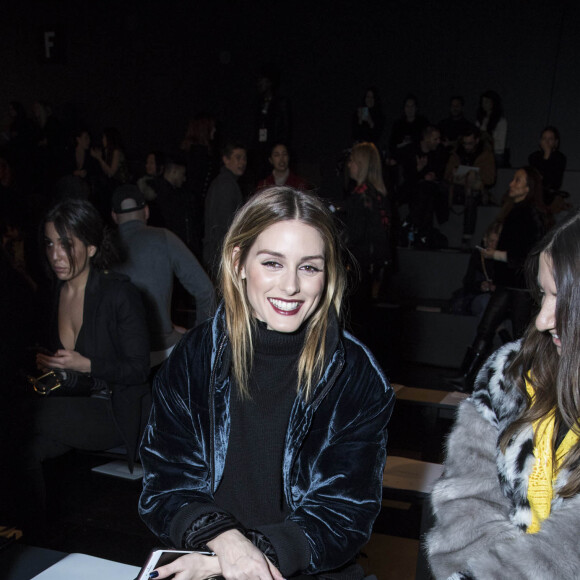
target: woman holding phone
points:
(267, 438)
(97, 332)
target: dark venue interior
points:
(148, 67)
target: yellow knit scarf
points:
(544, 473)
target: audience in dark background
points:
(114, 169)
(456, 125)
(199, 145)
(423, 166)
(478, 282)
(272, 121)
(470, 173)
(80, 162)
(368, 121)
(490, 119)
(368, 218)
(173, 205)
(281, 174)
(203, 164)
(551, 163)
(223, 199)
(408, 128)
(154, 169)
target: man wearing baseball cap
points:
(152, 256)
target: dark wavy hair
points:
(534, 196)
(79, 218)
(555, 377)
(496, 110)
(114, 142)
(377, 96)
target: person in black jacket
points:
(98, 330)
(523, 223)
(550, 162)
(368, 121)
(267, 438)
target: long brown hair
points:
(533, 198)
(555, 378)
(268, 207)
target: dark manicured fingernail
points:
(153, 574)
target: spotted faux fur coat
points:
(480, 503)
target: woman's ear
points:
(92, 250)
(236, 261)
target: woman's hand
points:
(497, 255)
(547, 149)
(240, 560)
(421, 162)
(97, 153)
(487, 253)
(64, 359)
(190, 567)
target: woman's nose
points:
(290, 282)
(56, 253)
(546, 318)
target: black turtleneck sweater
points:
(251, 487)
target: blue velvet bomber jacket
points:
(334, 455)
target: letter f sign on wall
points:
(49, 36)
(51, 45)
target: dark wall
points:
(146, 66)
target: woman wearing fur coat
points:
(508, 503)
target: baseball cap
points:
(128, 198)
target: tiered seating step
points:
(453, 228)
(429, 274)
(447, 400)
(435, 338)
(404, 476)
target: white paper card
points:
(77, 566)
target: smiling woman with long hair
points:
(266, 442)
(508, 504)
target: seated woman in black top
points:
(97, 328)
(550, 162)
(267, 438)
(523, 223)
(369, 121)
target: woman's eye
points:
(310, 268)
(271, 264)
